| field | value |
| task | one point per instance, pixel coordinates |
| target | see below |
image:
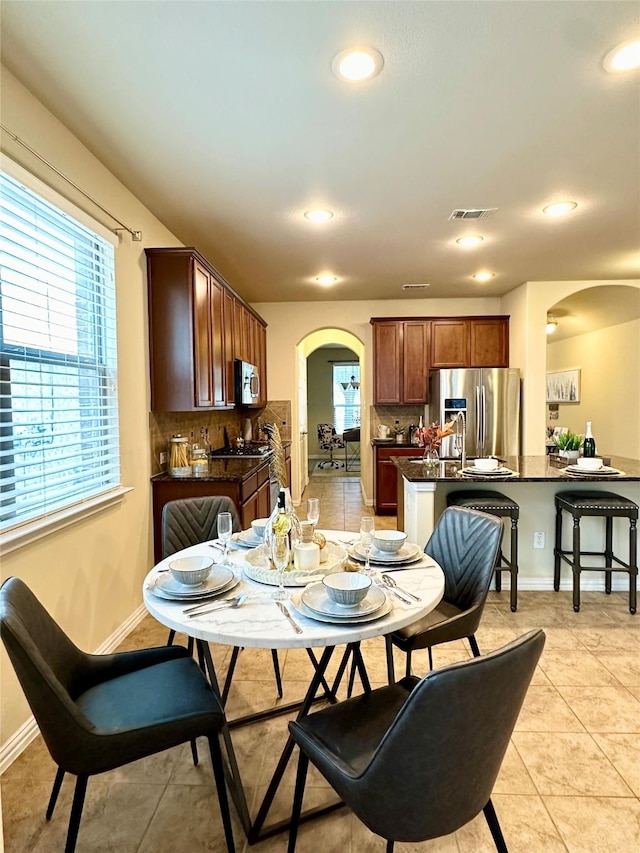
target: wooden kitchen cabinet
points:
(449, 342)
(197, 327)
(250, 494)
(401, 361)
(385, 477)
(489, 342)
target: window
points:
(346, 396)
(59, 443)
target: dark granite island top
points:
(528, 468)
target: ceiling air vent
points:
(415, 286)
(472, 213)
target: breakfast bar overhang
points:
(423, 490)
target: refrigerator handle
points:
(479, 420)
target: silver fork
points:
(390, 582)
(236, 602)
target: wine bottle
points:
(281, 523)
(589, 444)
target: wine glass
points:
(367, 531)
(225, 529)
(280, 554)
(313, 510)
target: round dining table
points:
(260, 623)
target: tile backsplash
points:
(163, 425)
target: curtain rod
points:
(135, 235)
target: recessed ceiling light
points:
(483, 276)
(356, 64)
(318, 215)
(471, 240)
(624, 57)
(326, 279)
(559, 208)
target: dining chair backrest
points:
(190, 521)
(465, 543)
(50, 667)
(437, 764)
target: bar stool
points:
(495, 503)
(605, 505)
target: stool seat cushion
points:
(482, 500)
(596, 501)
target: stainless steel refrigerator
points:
(490, 400)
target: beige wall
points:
(609, 360)
(320, 390)
(89, 575)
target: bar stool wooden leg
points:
(514, 564)
(608, 553)
(557, 549)
(633, 563)
(576, 564)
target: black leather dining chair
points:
(99, 712)
(466, 544)
(190, 521)
(419, 759)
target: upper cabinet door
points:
(449, 343)
(228, 345)
(415, 375)
(387, 361)
(203, 351)
(489, 342)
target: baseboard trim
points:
(28, 731)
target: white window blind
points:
(346, 396)
(59, 442)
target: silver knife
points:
(209, 604)
(395, 592)
(294, 624)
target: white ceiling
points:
(225, 120)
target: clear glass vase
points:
(430, 457)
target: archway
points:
(308, 344)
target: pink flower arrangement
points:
(430, 437)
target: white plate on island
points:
(605, 471)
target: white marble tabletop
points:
(259, 623)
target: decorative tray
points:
(257, 566)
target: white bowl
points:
(486, 463)
(258, 526)
(389, 541)
(346, 588)
(589, 463)
(191, 570)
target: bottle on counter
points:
(589, 444)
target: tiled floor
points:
(570, 779)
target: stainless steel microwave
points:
(247, 383)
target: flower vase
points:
(430, 457)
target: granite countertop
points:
(529, 468)
(391, 442)
(236, 469)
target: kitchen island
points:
(422, 496)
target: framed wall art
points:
(563, 386)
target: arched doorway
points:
(301, 426)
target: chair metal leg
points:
(407, 670)
(298, 796)
(390, 846)
(494, 826)
(194, 752)
(218, 772)
(513, 560)
(633, 565)
(577, 568)
(557, 549)
(190, 646)
(54, 792)
(172, 636)
(474, 646)
(429, 650)
(76, 813)
(608, 552)
(276, 671)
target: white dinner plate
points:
(496, 472)
(577, 469)
(247, 539)
(337, 620)
(202, 596)
(316, 598)
(258, 567)
(219, 577)
(409, 552)
(610, 472)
